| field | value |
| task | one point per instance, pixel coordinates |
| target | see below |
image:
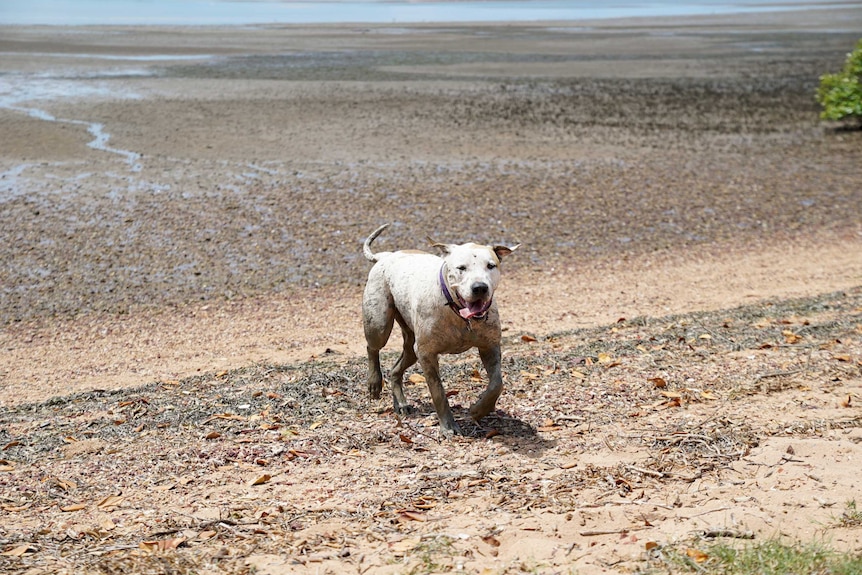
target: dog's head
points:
(472, 272)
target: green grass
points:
(852, 517)
(764, 558)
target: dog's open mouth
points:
(474, 309)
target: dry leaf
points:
(262, 479)
(207, 535)
(15, 508)
(163, 544)
(212, 435)
(11, 444)
(412, 515)
(416, 378)
(845, 402)
(650, 545)
(316, 424)
(578, 374)
(110, 501)
(790, 337)
(19, 550)
(842, 357)
(491, 540)
(659, 382)
(696, 554)
(74, 507)
(404, 438)
(708, 395)
(528, 338)
(605, 358)
(672, 394)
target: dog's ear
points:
(445, 247)
(504, 250)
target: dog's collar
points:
(455, 303)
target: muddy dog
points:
(444, 305)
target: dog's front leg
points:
(431, 368)
(491, 359)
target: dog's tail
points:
(366, 247)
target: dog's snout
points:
(480, 289)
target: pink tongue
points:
(472, 309)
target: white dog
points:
(443, 305)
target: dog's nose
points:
(479, 289)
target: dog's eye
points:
(491, 265)
(462, 268)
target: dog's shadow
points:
(510, 431)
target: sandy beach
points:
(179, 201)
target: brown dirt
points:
(180, 324)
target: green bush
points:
(840, 94)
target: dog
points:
(444, 305)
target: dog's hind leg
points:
(378, 318)
(396, 376)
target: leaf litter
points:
(296, 462)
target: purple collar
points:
(456, 303)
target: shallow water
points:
(234, 12)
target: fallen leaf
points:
(708, 395)
(11, 444)
(212, 435)
(73, 507)
(578, 375)
(207, 535)
(262, 479)
(605, 358)
(404, 438)
(316, 424)
(696, 554)
(163, 544)
(19, 550)
(658, 382)
(110, 501)
(528, 338)
(413, 515)
(491, 540)
(650, 545)
(845, 402)
(672, 394)
(790, 337)
(416, 378)
(841, 357)
(15, 508)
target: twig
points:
(611, 531)
(708, 512)
(725, 532)
(658, 474)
